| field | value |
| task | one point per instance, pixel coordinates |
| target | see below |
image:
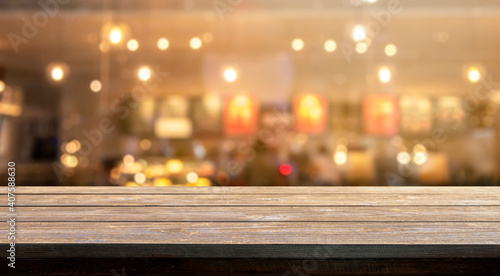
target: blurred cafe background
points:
(250, 92)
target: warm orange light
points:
(380, 115)
(144, 73)
(162, 182)
(359, 33)
(95, 86)
(174, 166)
(230, 74)
(390, 50)
(330, 46)
(140, 178)
(384, 75)
(163, 44)
(128, 159)
(361, 47)
(132, 45)
(57, 73)
(403, 157)
(297, 44)
(240, 115)
(310, 112)
(69, 161)
(340, 157)
(192, 177)
(195, 43)
(115, 35)
(474, 75)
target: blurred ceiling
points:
(435, 39)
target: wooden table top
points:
(257, 222)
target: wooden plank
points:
(251, 213)
(338, 233)
(255, 200)
(251, 190)
(235, 223)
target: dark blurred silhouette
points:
(261, 170)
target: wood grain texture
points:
(255, 214)
(260, 232)
(257, 222)
(334, 199)
(252, 190)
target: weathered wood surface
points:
(324, 199)
(252, 190)
(258, 213)
(257, 222)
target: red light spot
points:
(285, 169)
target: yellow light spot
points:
(358, 33)
(297, 44)
(161, 182)
(403, 158)
(115, 36)
(2, 86)
(390, 50)
(131, 184)
(78, 145)
(128, 159)
(71, 147)
(150, 172)
(195, 43)
(230, 74)
(361, 47)
(340, 158)
(140, 178)
(203, 182)
(419, 148)
(63, 158)
(384, 74)
(192, 177)
(474, 74)
(132, 45)
(69, 161)
(420, 158)
(57, 73)
(144, 73)
(163, 44)
(174, 166)
(95, 86)
(330, 46)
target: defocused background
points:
(250, 92)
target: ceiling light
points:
(163, 44)
(297, 44)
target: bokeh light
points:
(163, 44)
(297, 44)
